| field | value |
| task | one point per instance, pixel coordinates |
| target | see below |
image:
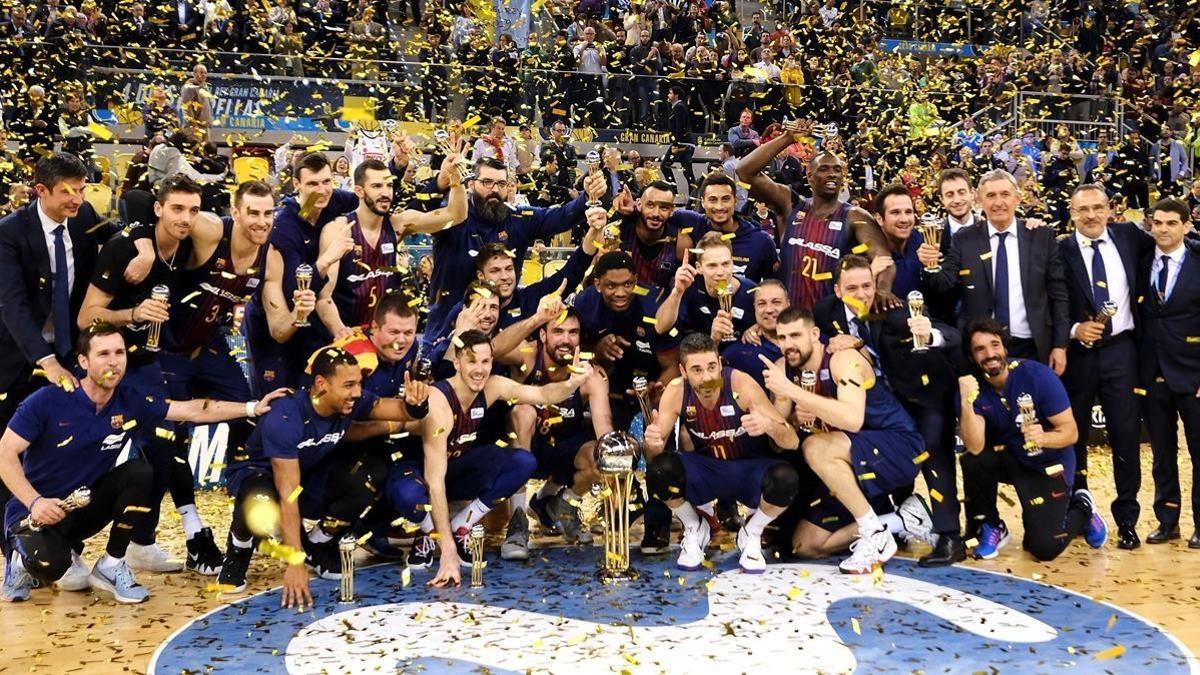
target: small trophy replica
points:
(81, 497)
(725, 297)
(1107, 311)
(643, 396)
(593, 165)
(831, 131)
(477, 562)
(441, 138)
(916, 307)
(616, 456)
(161, 294)
(1028, 417)
(346, 546)
(931, 231)
(304, 277)
(808, 382)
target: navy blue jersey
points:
(565, 419)
(294, 430)
(209, 293)
(109, 277)
(1000, 413)
(365, 274)
(811, 250)
(698, 308)
(744, 357)
(71, 444)
(754, 254)
(463, 436)
(908, 268)
(633, 324)
(717, 432)
(654, 263)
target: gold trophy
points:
(616, 456)
(916, 307)
(442, 139)
(640, 390)
(1107, 311)
(593, 165)
(304, 277)
(725, 297)
(81, 497)
(1028, 417)
(161, 294)
(931, 230)
(346, 546)
(808, 382)
(475, 541)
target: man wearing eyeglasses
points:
(490, 218)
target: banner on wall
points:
(513, 17)
(928, 48)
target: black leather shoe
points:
(949, 550)
(1127, 538)
(1194, 542)
(1163, 533)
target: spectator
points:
(1172, 166)
(35, 123)
(681, 150)
(169, 158)
(828, 13)
(1131, 168)
(497, 145)
(729, 167)
(743, 138)
(196, 100)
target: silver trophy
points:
(304, 277)
(916, 307)
(1107, 311)
(81, 497)
(1028, 417)
(808, 382)
(616, 457)
(593, 165)
(346, 547)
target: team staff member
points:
(696, 308)
(819, 230)
(733, 428)
(1052, 511)
(1101, 259)
(1169, 361)
(292, 460)
(754, 254)
(762, 338)
(72, 439)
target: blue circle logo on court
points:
(549, 615)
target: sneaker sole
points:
(103, 586)
(226, 589)
(514, 555)
(879, 566)
(73, 588)
(685, 568)
(156, 570)
(747, 570)
(419, 566)
(7, 598)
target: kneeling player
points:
(292, 460)
(454, 466)
(869, 450)
(72, 440)
(729, 420)
(559, 435)
(1037, 458)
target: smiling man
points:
(754, 253)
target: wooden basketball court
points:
(58, 632)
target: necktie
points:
(1100, 283)
(1001, 280)
(864, 334)
(61, 301)
(1162, 278)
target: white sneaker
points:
(695, 540)
(76, 578)
(868, 552)
(120, 582)
(917, 519)
(752, 560)
(151, 559)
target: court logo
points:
(551, 616)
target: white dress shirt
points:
(955, 225)
(48, 227)
(1114, 272)
(1018, 319)
(1175, 261)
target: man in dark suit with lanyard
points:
(1169, 361)
(1101, 269)
(47, 252)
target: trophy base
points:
(920, 350)
(611, 576)
(934, 270)
(301, 324)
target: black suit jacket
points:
(923, 378)
(1132, 245)
(26, 284)
(680, 124)
(968, 266)
(1170, 331)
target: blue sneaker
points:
(17, 581)
(1095, 530)
(992, 538)
(540, 508)
(119, 582)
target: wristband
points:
(418, 411)
(35, 501)
(250, 406)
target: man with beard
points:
(820, 230)
(495, 263)
(294, 468)
(863, 447)
(697, 308)
(368, 269)
(754, 254)
(559, 435)
(769, 300)
(491, 219)
(1036, 458)
(61, 440)
(734, 431)
(455, 465)
(922, 381)
(648, 232)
